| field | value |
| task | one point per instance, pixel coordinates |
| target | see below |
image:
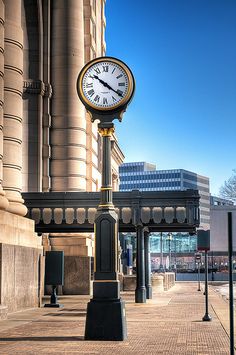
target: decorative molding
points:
(13, 68)
(12, 117)
(160, 211)
(38, 87)
(12, 139)
(13, 42)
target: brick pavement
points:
(171, 324)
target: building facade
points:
(145, 177)
(219, 236)
(219, 201)
(176, 250)
(47, 140)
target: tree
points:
(228, 190)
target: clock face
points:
(105, 84)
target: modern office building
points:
(219, 201)
(177, 249)
(219, 209)
(144, 177)
(47, 140)
(173, 250)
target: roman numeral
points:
(105, 68)
(120, 92)
(113, 70)
(91, 92)
(121, 84)
(114, 99)
(97, 70)
(89, 85)
(97, 98)
(105, 102)
(119, 76)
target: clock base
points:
(106, 320)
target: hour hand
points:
(103, 82)
(107, 85)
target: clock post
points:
(106, 311)
(106, 318)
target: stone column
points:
(46, 184)
(3, 200)
(12, 125)
(140, 292)
(148, 281)
(68, 130)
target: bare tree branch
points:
(228, 190)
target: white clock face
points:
(105, 85)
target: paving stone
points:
(171, 324)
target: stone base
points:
(3, 312)
(19, 276)
(77, 275)
(72, 245)
(129, 283)
(20, 263)
(158, 283)
(17, 230)
(106, 320)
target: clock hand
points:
(107, 85)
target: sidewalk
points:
(170, 323)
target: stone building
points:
(47, 141)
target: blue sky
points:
(183, 56)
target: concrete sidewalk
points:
(170, 323)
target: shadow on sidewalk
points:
(70, 338)
(64, 314)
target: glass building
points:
(168, 250)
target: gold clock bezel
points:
(122, 102)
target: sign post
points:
(203, 244)
(198, 259)
(231, 290)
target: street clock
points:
(105, 85)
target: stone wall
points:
(20, 263)
(19, 277)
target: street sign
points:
(203, 240)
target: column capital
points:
(106, 132)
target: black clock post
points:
(106, 311)
(106, 318)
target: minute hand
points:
(107, 85)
